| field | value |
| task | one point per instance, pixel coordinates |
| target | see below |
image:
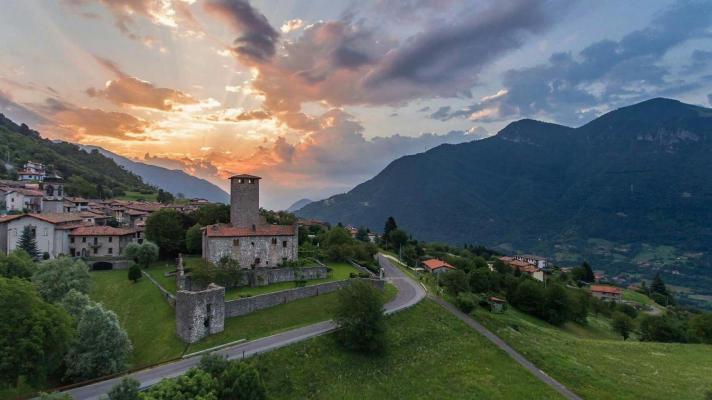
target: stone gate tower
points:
(245, 200)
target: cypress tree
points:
(27, 242)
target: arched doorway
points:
(102, 266)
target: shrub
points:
(359, 314)
(127, 389)
(623, 324)
(454, 281)
(134, 273)
(466, 302)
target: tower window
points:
(235, 242)
(284, 243)
(274, 241)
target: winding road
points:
(409, 293)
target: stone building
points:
(248, 238)
(99, 241)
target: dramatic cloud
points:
(257, 40)
(18, 112)
(608, 73)
(129, 91)
(291, 25)
(125, 12)
(81, 122)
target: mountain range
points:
(174, 181)
(630, 191)
(297, 205)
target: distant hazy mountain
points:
(631, 191)
(298, 205)
(172, 180)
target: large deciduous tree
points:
(33, 334)
(165, 228)
(55, 278)
(194, 239)
(17, 264)
(359, 314)
(143, 254)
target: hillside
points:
(82, 170)
(298, 205)
(629, 191)
(174, 181)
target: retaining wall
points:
(170, 298)
(235, 308)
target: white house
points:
(31, 171)
(538, 261)
(50, 231)
(18, 199)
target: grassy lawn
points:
(150, 321)
(142, 311)
(632, 295)
(597, 365)
(430, 355)
(278, 319)
(136, 196)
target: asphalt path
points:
(409, 294)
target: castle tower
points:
(245, 200)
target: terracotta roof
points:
(6, 218)
(100, 231)
(92, 214)
(131, 211)
(77, 199)
(433, 264)
(497, 299)
(57, 218)
(605, 289)
(148, 207)
(245, 176)
(27, 192)
(225, 230)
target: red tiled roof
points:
(433, 264)
(100, 231)
(27, 192)
(605, 289)
(57, 218)
(131, 211)
(225, 230)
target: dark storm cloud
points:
(258, 39)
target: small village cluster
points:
(72, 226)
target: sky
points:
(318, 96)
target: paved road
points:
(409, 293)
(539, 374)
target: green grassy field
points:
(430, 355)
(142, 311)
(596, 364)
(150, 321)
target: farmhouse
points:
(435, 266)
(605, 292)
(99, 241)
(248, 238)
(538, 261)
(524, 267)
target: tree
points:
(28, 244)
(579, 302)
(397, 238)
(194, 239)
(135, 273)
(390, 226)
(33, 334)
(700, 328)
(661, 329)
(143, 254)
(127, 389)
(112, 222)
(211, 214)
(194, 384)
(17, 264)
(556, 309)
(165, 229)
(529, 297)
(466, 302)
(164, 197)
(75, 303)
(359, 314)
(241, 381)
(454, 281)
(623, 324)
(100, 347)
(588, 275)
(659, 292)
(362, 234)
(55, 278)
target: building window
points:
(284, 243)
(274, 241)
(96, 250)
(252, 244)
(111, 250)
(257, 261)
(84, 239)
(96, 240)
(110, 239)
(235, 242)
(71, 239)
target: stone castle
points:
(248, 238)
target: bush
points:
(529, 297)
(127, 389)
(454, 281)
(628, 310)
(143, 254)
(134, 273)
(466, 302)
(55, 278)
(661, 329)
(623, 324)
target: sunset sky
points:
(317, 96)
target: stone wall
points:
(249, 248)
(235, 308)
(200, 313)
(170, 298)
(268, 276)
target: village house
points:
(248, 238)
(539, 262)
(99, 241)
(133, 217)
(605, 292)
(79, 204)
(435, 266)
(18, 199)
(50, 231)
(32, 172)
(524, 267)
